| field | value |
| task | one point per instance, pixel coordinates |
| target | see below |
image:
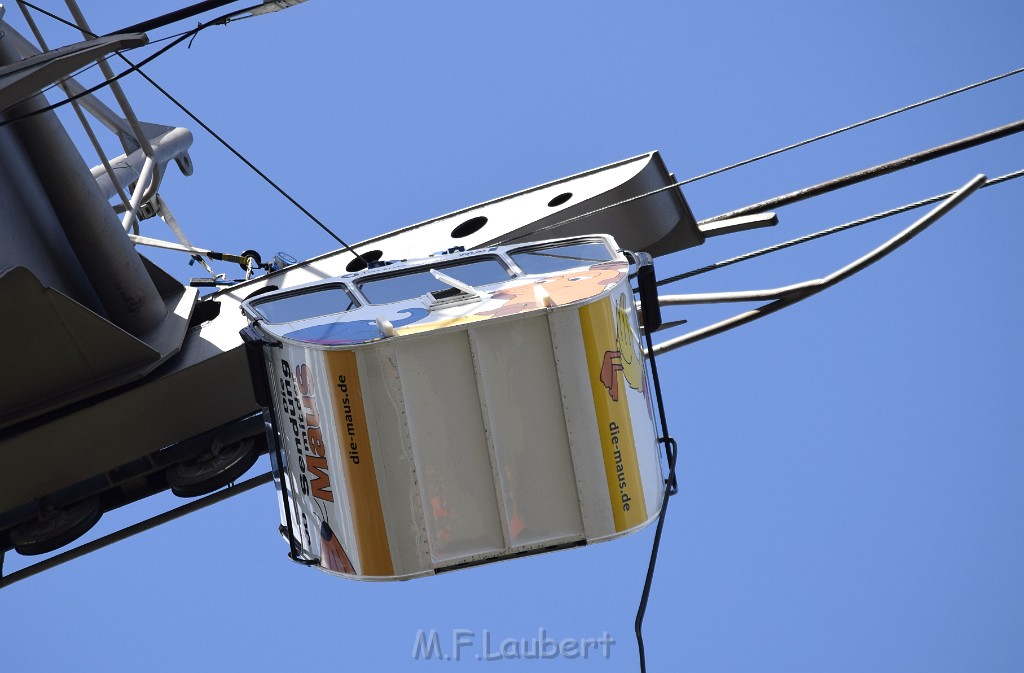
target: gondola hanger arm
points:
(783, 297)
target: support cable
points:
(105, 83)
(775, 152)
(82, 119)
(874, 172)
(280, 190)
(786, 199)
(96, 64)
(865, 122)
(828, 232)
(133, 67)
(814, 190)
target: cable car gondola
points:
(470, 407)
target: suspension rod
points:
(873, 172)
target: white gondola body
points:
(425, 431)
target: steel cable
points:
(775, 152)
(222, 20)
(828, 232)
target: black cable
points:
(864, 122)
(137, 68)
(80, 72)
(767, 154)
(671, 488)
(136, 528)
(102, 85)
(175, 16)
(59, 19)
(645, 595)
(252, 166)
(70, 24)
(822, 187)
(221, 20)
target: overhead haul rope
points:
(865, 122)
(787, 148)
(133, 67)
(828, 232)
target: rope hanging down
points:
(648, 295)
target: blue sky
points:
(851, 469)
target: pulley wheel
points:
(212, 469)
(55, 528)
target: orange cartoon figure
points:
(332, 554)
(626, 359)
(560, 290)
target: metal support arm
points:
(782, 297)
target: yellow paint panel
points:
(360, 474)
(615, 427)
(425, 326)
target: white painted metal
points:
(204, 377)
(112, 83)
(520, 396)
(168, 144)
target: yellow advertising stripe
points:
(615, 427)
(418, 327)
(360, 475)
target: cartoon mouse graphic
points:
(626, 358)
